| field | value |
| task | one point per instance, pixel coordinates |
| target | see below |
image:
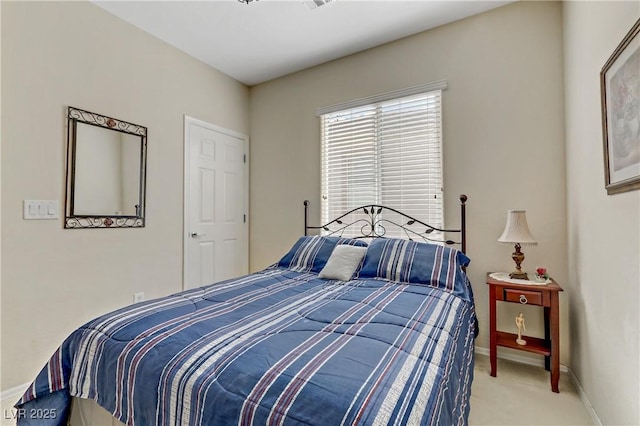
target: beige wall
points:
(74, 53)
(603, 230)
(503, 139)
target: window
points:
(387, 152)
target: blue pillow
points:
(417, 263)
(310, 254)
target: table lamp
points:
(517, 232)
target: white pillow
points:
(343, 262)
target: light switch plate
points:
(138, 297)
(41, 209)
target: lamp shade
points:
(517, 230)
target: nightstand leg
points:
(555, 342)
(493, 352)
(547, 338)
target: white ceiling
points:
(266, 39)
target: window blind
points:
(387, 153)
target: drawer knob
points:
(523, 299)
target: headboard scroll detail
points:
(373, 221)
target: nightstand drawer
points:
(523, 296)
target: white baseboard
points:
(14, 393)
(519, 359)
(585, 399)
(563, 368)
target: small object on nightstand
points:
(521, 326)
(516, 231)
(541, 275)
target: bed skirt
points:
(86, 412)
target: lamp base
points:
(519, 275)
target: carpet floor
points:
(521, 394)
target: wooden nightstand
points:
(528, 294)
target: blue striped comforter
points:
(274, 347)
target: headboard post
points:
(463, 222)
(306, 216)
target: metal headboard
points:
(373, 224)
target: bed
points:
(392, 344)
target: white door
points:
(216, 198)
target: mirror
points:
(106, 171)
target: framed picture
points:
(620, 95)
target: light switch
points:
(52, 209)
(40, 209)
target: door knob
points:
(196, 235)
